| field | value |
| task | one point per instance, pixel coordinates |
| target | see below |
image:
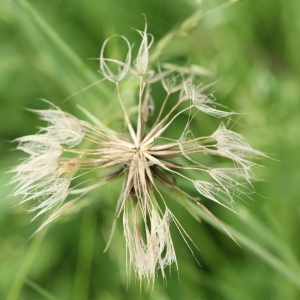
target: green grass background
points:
(252, 47)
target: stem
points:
(157, 126)
(162, 108)
(130, 127)
(140, 123)
(158, 133)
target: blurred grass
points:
(253, 48)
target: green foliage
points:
(252, 47)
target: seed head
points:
(144, 155)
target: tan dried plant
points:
(143, 154)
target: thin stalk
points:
(139, 121)
(128, 122)
(158, 133)
(162, 108)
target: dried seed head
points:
(144, 155)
